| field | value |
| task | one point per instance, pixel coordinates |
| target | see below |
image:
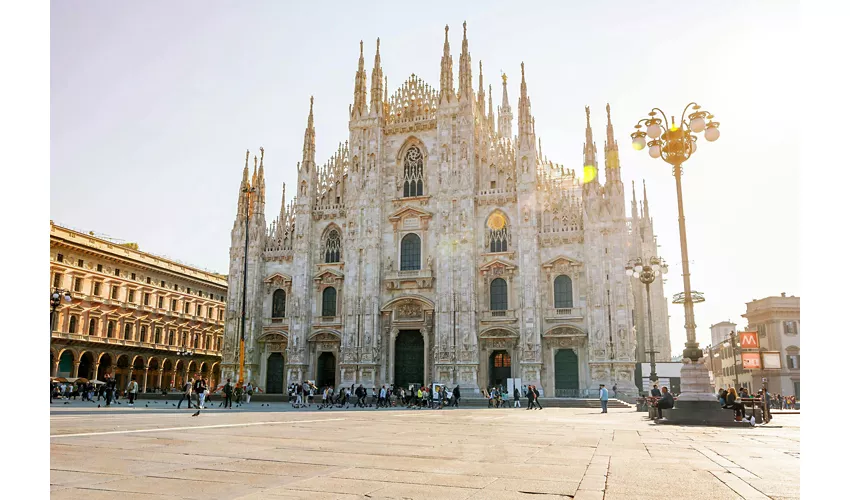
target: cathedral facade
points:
(437, 245)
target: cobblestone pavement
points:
(274, 452)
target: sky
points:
(153, 105)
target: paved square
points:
(274, 452)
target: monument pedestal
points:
(697, 404)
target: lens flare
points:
(589, 174)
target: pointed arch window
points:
(329, 302)
(72, 325)
(279, 303)
(332, 247)
(498, 234)
(563, 292)
(498, 295)
(411, 252)
(413, 172)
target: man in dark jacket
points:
(666, 402)
(655, 392)
(536, 396)
(228, 395)
(456, 394)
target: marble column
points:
(75, 369)
(145, 381)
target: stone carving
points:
(409, 310)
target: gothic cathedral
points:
(437, 246)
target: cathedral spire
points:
(481, 95)
(634, 207)
(645, 201)
(505, 115)
(465, 71)
(590, 150)
(308, 154)
(491, 120)
(446, 77)
(377, 83)
(612, 154)
(526, 125)
(283, 203)
(360, 87)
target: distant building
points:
(132, 313)
(777, 320)
(720, 332)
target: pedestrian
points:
(530, 395)
(249, 391)
(456, 395)
(132, 389)
(187, 395)
(614, 389)
(382, 397)
(603, 398)
(438, 402)
(666, 402)
(200, 388)
(655, 392)
(228, 395)
(536, 397)
(108, 391)
(516, 398)
(733, 403)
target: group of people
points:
(780, 402)
(388, 396)
(301, 394)
(661, 399)
(89, 391)
(732, 399)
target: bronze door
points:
(409, 358)
(274, 374)
(326, 370)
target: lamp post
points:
(56, 297)
(647, 273)
(675, 144)
(247, 191)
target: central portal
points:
(409, 358)
(326, 370)
(500, 369)
(274, 374)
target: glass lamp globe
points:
(54, 296)
(654, 131)
(655, 151)
(698, 124)
(655, 267)
(693, 146)
(711, 134)
(639, 143)
(657, 273)
(68, 298)
(638, 268)
(664, 269)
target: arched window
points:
(143, 334)
(497, 235)
(158, 336)
(329, 301)
(170, 337)
(498, 295)
(563, 292)
(92, 326)
(72, 325)
(110, 329)
(128, 332)
(279, 304)
(411, 252)
(332, 247)
(413, 169)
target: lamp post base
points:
(696, 384)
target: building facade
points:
(436, 245)
(777, 319)
(132, 313)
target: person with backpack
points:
(200, 388)
(132, 389)
(228, 395)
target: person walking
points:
(530, 395)
(536, 397)
(516, 398)
(132, 389)
(614, 389)
(603, 397)
(249, 391)
(187, 395)
(200, 388)
(456, 395)
(382, 397)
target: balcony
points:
(564, 313)
(413, 279)
(508, 315)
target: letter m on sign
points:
(749, 340)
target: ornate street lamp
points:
(675, 144)
(56, 297)
(248, 192)
(646, 273)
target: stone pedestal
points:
(697, 404)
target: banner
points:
(751, 360)
(749, 340)
(771, 360)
